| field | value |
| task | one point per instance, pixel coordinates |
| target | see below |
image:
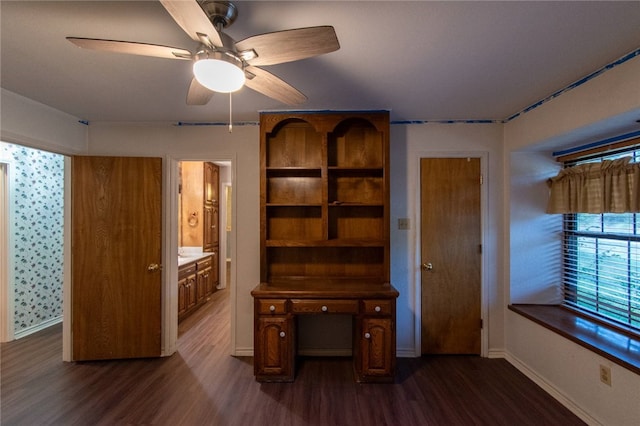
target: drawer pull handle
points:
(282, 334)
(272, 308)
(367, 335)
(377, 309)
(324, 308)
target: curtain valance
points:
(610, 186)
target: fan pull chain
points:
(230, 110)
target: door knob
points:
(427, 266)
(153, 267)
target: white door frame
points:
(222, 270)
(484, 296)
(170, 293)
(6, 258)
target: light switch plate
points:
(403, 223)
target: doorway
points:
(451, 255)
(194, 204)
(6, 307)
(31, 252)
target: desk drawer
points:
(381, 307)
(272, 306)
(320, 306)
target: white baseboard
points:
(406, 353)
(242, 352)
(550, 389)
(35, 328)
(496, 353)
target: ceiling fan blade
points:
(290, 45)
(192, 19)
(269, 85)
(131, 48)
(198, 94)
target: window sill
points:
(615, 345)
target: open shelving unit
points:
(324, 238)
(324, 186)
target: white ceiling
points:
(422, 60)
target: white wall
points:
(29, 123)
(174, 143)
(35, 125)
(409, 143)
(535, 265)
(604, 106)
(600, 106)
(570, 372)
(594, 107)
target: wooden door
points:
(116, 252)
(451, 255)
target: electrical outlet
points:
(403, 223)
(605, 375)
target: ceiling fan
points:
(220, 64)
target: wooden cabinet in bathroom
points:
(199, 217)
(210, 233)
(187, 298)
(199, 210)
(211, 205)
(211, 183)
(195, 284)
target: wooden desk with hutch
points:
(324, 243)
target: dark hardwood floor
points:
(202, 385)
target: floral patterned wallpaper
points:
(36, 227)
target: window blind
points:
(601, 258)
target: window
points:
(602, 261)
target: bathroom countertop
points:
(191, 257)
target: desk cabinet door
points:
(377, 347)
(273, 357)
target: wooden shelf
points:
(326, 243)
(293, 170)
(324, 237)
(353, 204)
(324, 189)
(291, 204)
(357, 170)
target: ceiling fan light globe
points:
(219, 75)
